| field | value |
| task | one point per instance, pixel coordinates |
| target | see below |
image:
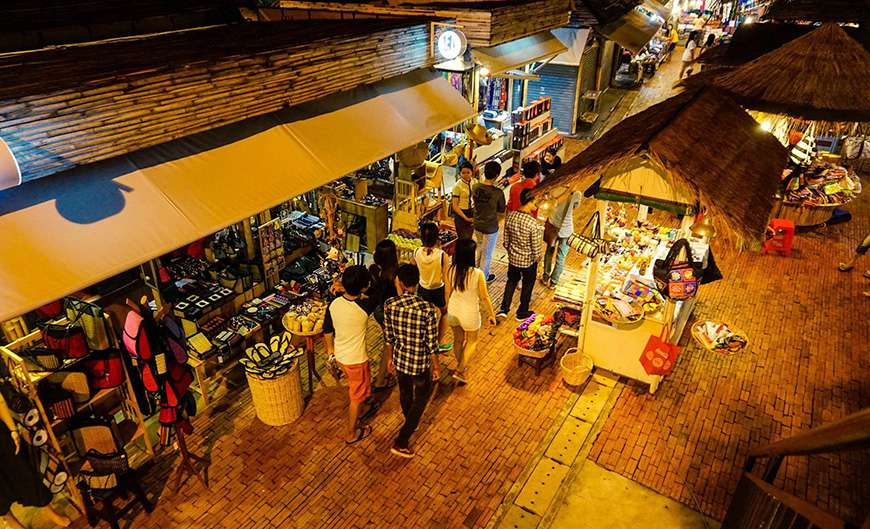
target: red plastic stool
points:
(782, 239)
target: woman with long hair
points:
(383, 272)
(432, 263)
(466, 291)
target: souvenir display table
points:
(627, 307)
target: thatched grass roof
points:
(702, 139)
(820, 10)
(751, 41)
(822, 75)
(706, 77)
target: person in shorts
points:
(432, 263)
(860, 251)
(344, 332)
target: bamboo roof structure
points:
(702, 140)
(822, 75)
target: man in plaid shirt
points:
(411, 334)
(524, 241)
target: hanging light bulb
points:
(484, 71)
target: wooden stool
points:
(538, 359)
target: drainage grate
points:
(542, 486)
(518, 518)
(591, 402)
(568, 440)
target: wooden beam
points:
(850, 432)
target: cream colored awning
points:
(640, 180)
(516, 53)
(61, 234)
(636, 28)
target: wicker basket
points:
(278, 401)
(576, 367)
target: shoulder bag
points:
(589, 241)
(92, 321)
(678, 280)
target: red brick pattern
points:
(471, 446)
(807, 364)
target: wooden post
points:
(591, 283)
(247, 230)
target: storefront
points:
(233, 229)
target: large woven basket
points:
(278, 401)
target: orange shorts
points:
(359, 380)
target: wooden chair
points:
(105, 475)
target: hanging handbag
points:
(111, 463)
(589, 242)
(68, 339)
(105, 370)
(659, 356)
(678, 280)
(41, 359)
(91, 319)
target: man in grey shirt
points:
(489, 208)
(563, 217)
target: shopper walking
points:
(411, 333)
(383, 272)
(860, 251)
(344, 336)
(523, 239)
(466, 293)
(689, 52)
(562, 218)
(531, 178)
(489, 209)
(432, 263)
(461, 202)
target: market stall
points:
(643, 162)
(816, 108)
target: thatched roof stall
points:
(751, 41)
(857, 11)
(701, 144)
(822, 75)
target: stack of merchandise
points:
(820, 184)
(267, 362)
(535, 333)
(567, 317)
(306, 318)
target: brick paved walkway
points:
(807, 364)
(471, 447)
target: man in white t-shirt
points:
(344, 331)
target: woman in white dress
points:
(466, 292)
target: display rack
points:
(122, 399)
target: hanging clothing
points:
(19, 481)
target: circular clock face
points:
(451, 44)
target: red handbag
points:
(659, 356)
(67, 340)
(105, 371)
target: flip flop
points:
(843, 267)
(363, 432)
(867, 274)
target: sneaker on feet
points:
(444, 347)
(501, 316)
(545, 280)
(407, 453)
(522, 316)
(459, 378)
(490, 278)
